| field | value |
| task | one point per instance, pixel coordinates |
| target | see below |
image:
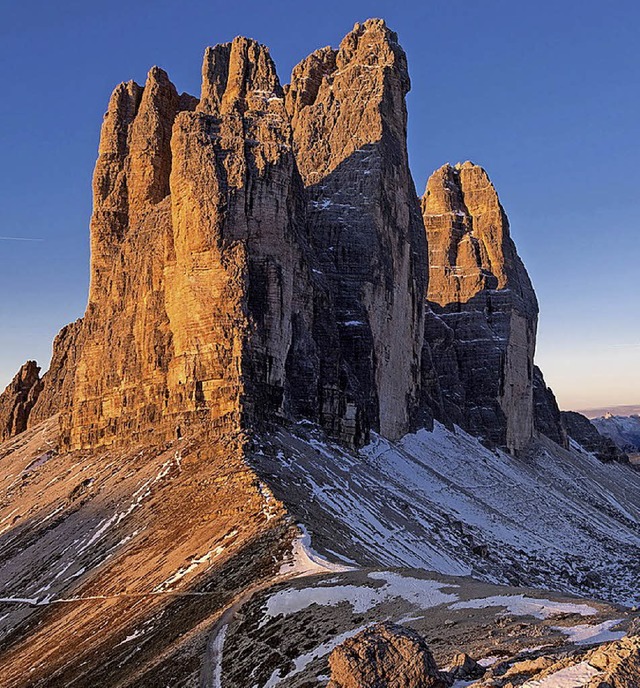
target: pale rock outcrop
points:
(483, 338)
(619, 663)
(464, 668)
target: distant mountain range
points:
(621, 410)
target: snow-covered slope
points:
(442, 501)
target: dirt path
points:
(305, 563)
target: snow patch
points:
(576, 676)
(217, 648)
(520, 605)
(585, 634)
(422, 593)
(489, 661)
(306, 561)
(186, 570)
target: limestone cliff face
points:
(197, 208)
(484, 337)
(18, 399)
(237, 283)
(348, 113)
(125, 344)
(260, 254)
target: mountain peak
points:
(235, 73)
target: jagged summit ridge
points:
(237, 75)
(260, 254)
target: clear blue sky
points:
(543, 94)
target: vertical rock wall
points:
(546, 413)
(348, 113)
(125, 346)
(236, 281)
(483, 338)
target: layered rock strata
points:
(57, 382)
(194, 258)
(483, 338)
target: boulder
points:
(384, 656)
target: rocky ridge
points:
(582, 431)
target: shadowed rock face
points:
(546, 413)
(484, 338)
(585, 433)
(18, 399)
(348, 113)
